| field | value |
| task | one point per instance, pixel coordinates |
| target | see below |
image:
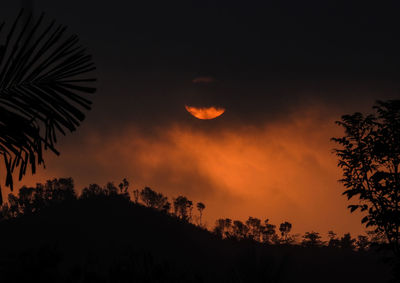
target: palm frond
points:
(43, 89)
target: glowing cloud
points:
(205, 113)
(283, 171)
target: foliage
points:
(312, 239)
(347, 242)
(100, 238)
(33, 199)
(252, 229)
(124, 186)
(333, 242)
(362, 243)
(285, 229)
(154, 200)
(369, 157)
(40, 91)
(240, 230)
(223, 228)
(183, 208)
(57, 191)
(269, 233)
(110, 191)
(93, 190)
(255, 228)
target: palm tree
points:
(41, 91)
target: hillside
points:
(114, 240)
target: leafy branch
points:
(42, 91)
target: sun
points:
(205, 113)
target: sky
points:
(284, 71)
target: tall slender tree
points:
(200, 207)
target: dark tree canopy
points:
(33, 199)
(369, 156)
(154, 200)
(183, 208)
(285, 229)
(312, 239)
(41, 87)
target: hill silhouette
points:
(108, 238)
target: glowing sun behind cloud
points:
(205, 113)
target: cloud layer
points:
(281, 171)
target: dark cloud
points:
(266, 58)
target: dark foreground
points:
(113, 240)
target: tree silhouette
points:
(285, 229)
(136, 195)
(153, 199)
(183, 208)
(33, 199)
(347, 242)
(58, 190)
(269, 233)
(252, 229)
(333, 242)
(369, 157)
(200, 207)
(312, 239)
(110, 191)
(376, 238)
(40, 91)
(362, 243)
(219, 228)
(223, 228)
(123, 187)
(240, 230)
(26, 200)
(92, 191)
(255, 228)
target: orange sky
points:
(283, 171)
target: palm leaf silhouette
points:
(41, 91)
